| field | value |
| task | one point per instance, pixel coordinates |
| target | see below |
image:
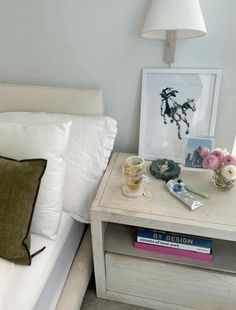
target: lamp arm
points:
(170, 43)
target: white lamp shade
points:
(183, 16)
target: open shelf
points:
(120, 239)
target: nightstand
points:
(157, 280)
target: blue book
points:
(174, 237)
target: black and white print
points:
(176, 112)
(177, 104)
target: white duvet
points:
(6, 271)
(14, 295)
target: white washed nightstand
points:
(158, 280)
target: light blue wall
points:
(96, 44)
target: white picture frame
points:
(173, 98)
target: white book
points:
(174, 245)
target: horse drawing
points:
(175, 111)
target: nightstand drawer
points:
(185, 286)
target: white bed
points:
(47, 271)
(39, 286)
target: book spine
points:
(156, 248)
(174, 245)
(176, 238)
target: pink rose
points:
(203, 151)
(210, 162)
(218, 154)
(230, 160)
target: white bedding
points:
(89, 147)
(6, 270)
(21, 286)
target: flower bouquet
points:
(223, 164)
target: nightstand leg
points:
(98, 232)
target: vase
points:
(221, 183)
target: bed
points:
(46, 282)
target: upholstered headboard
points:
(51, 99)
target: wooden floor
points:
(91, 302)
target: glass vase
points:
(221, 183)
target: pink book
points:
(157, 248)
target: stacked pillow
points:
(77, 149)
(47, 141)
(19, 185)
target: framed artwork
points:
(176, 104)
(193, 158)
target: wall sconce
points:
(173, 19)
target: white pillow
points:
(90, 144)
(48, 141)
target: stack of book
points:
(174, 243)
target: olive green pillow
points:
(19, 186)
